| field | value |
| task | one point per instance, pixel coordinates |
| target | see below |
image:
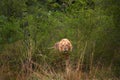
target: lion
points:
(63, 45)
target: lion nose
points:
(65, 50)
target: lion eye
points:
(66, 45)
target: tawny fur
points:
(63, 46)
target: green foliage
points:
(9, 30)
(43, 23)
(12, 8)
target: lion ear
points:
(56, 45)
(70, 47)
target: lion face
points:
(65, 45)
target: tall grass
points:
(19, 65)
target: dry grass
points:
(31, 70)
(46, 72)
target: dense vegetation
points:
(29, 27)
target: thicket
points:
(37, 25)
